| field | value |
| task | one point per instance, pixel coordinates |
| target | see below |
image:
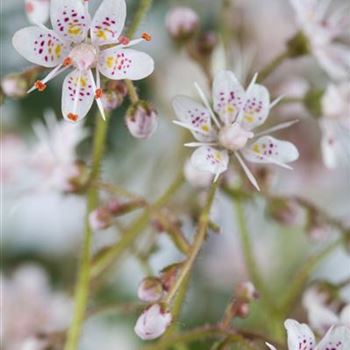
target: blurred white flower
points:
(300, 337)
(323, 28)
(335, 125)
(31, 308)
(239, 111)
(67, 46)
(54, 157)
(197, 178)
(153, 322)
(182, 22)
(37, 11)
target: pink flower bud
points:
(246, 291)
(243, 310)
(141, 120)
(234, 137)
(150, 289)
(100, 218)
(182, 22)
(153, 322)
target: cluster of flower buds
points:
(102, 217)
(141, 120)
(156, 318)
(16, 85)
(113, 94)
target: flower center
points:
(234, 137)
(84, 56)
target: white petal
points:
(77, 95)
(270, 346)
(337, 338)
(116, 64)
(39, 46)
(108, 22)
(228, 96)
(196, 116)
(70, 20)
(345, 316)
(37, 10)
(300, 336)
(335, 60)
(257, 107)
(210, 159)
(267, 149)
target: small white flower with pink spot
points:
(236, 112)
(301, 337)
(84, 44)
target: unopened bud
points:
(153, 322)
(284, 211)
(234, 137)
(243, 310)
(100, 218)
(150, 289)
(246, 291)
(14, 86)
(141, 120)
(182, 23)
(298, 46)
(169, 275)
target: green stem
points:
(107, 257)
(82, 285)
(134, 97)
(198, 241)
(143, 8)
(272, 66)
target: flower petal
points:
(337, 338)
(77, 95)
(70, 20)
(267, 149)
(228, 96)
(300, 336)
(39, 46)
(210, 159)
(256, 108)
(196, 116)
(116, 63)
(270, 346)
(37, 10)
(108, 22)
(329, 145)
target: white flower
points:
(322, 316)
(79, 42)
(300, 337)
(153, 322)
(239, 111)
(335, 125)
(323, 29)
(37, 11)
(54, 161)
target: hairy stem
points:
(82, 284)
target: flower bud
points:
(243, 310)
(286, 212)
(150, 289)
(14, 86)
(246, 291)
(298, 46)
(196, 177)
(141, 120)
(100, 218)
(169, 275)
(153, 322)
(113, 95)
(182, 23)
(234, 137)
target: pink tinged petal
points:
(210, 159)
(196, 116)
(228, 96)
(337, 338)
(267, 149)
(335, 60)
(300, 336)
(108, 22)
(256, 108)
(77, 95)
(329, 144)
(37, 10)
(70, 20)
(117, 64)
(40, 46)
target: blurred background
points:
(42, 225)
